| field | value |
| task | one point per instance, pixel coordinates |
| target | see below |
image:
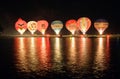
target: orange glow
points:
(101, 26)
(32, 45)
(101, 57)
(43, 45)
(108, 48)
(84, 52)
(72, 42)
(32, 54)
(71, 25)
(57, 42)
(21, 26)
(20, 54)
(32, 26)
(99, 61)
(84, 24)
(71, 53)
(42, 25)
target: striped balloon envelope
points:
(84, 24)
(101, 25)
(57, 26)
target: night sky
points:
(11, 10)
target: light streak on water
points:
(71, 55)
(101, 61)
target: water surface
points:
(59, 58)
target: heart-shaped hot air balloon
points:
(84, 24)
(42, 25)
(71, 25)
(21, 26)
(32, 26)
(101, 25)
(57, 25)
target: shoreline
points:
(87, 35)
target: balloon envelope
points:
(101, 25)
(71, 25)
(42, 25)
(57, 25)
(21, 26)
(84, 24)
(32, 26)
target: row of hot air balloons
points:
(82, 24)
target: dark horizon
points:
(59, 10)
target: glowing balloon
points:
(21, 26)
(101, 25)
(32, 26)
(42, 25)
(57, 25)
(84, 24)
(71, 25)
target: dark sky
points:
(11, 10)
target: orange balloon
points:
(101, 25)
(84, 24)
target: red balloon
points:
(71, 25)
(84, 24)
(21, 26)
(42, 25)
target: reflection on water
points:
(32, 60)
(43, 48)
(57, 54)
(101, 61)
(20, 52)
(75, 56)
(85, 55)
(32, 54)
(79, 56)
(71, 51)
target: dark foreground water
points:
(59, 58)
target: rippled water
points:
(59, 58)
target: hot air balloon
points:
(57, 25)
(101, 25)
(42, 25)
(71, 25)
(84, 24)
(21, 26)
(32, 26)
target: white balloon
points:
(32, 26)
